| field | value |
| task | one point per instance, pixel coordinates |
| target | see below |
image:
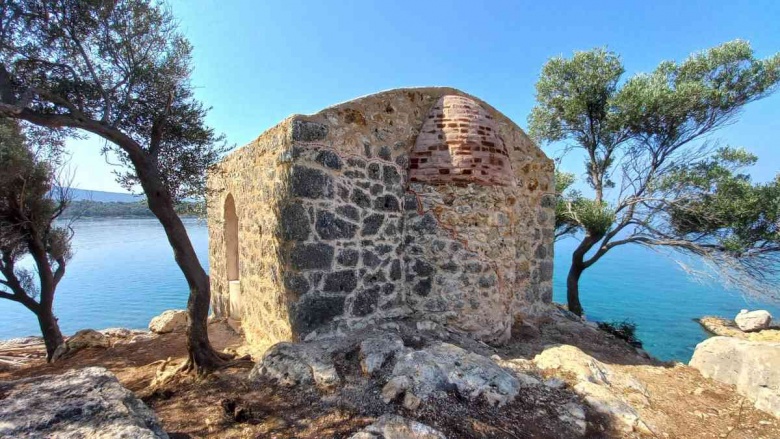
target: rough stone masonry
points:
(422, 203)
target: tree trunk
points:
(578, 265)
(202, 357)
(50, 328)
(573, 289)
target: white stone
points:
(172, 320)
(752, 366)
(397, 427)
(750, 321)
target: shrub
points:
(625, 330)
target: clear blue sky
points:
(258, 62)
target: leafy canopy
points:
(646, 137)
(117, 69)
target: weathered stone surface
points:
(313, 186)
(172, 320)
(311, 183)
(295, 222)
(360, 198)
(296, 283)
(727, 328)
(598, 384)
(293, 364)
(445, 366)
(751, 321)
(314, 310)
(86, 338)
(312, 256)
(83, 403)
(329, 159)
(343, 281)
(307, 131)
(377, 350)
(348, 211)
(371, 224)
(752, 366)
(366, 301)
(348, 257)
(370, 259)
(330, 227)
(397, 427)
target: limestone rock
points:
(572, 360)
(750, 321)
(445, 366)
(603, 388)
(172, 320)
(607, 402)
(84, 403)
(727, 328)
(397, 427)
(752, 366)
(86, 338)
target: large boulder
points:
(172, 320)
(750, 321)
(752, 366)
(83, 403)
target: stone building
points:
(424, 203)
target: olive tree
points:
(31, 200)
(644, 141)
(119, 70)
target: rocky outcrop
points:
(85, 403)
(752, 321)
(753, 367)
(172, 320)
(607, 391)
(727, 328)
(420, 373)
(397, 427)
(86, 338)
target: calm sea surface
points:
(123, 274)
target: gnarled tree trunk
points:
(50, 328)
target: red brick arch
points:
(459, 143)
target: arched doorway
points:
(232, 256)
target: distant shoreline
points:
(118, 209)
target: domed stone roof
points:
(459, 143)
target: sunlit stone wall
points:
(381, 208)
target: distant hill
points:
(104, 197)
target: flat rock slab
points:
(83, 403)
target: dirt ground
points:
(682, 404)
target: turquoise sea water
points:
(123, 274)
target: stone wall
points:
(333, 229)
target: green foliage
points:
(673, 190)
(625, 330)
(723, 207)
(28, 210)
(119, 69)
